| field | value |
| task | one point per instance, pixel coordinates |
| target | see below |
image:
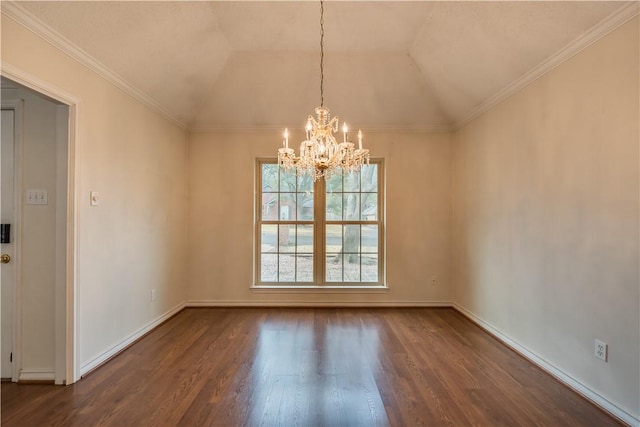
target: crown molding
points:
(26, 19)
(279, 128)
(604, 27)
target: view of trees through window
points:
(317, 233)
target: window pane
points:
(287, 207)
(287, 238)
(305, 183)
(268, 238)
(352, 181)
(369, 202)
(334, 184)
(334, 206)
(287, 268)
(269, 177)
(369, 174)
(333, 238)
(333, 267)
(305, 206)
(269, 268)
(269, 206)
(351, 207)
(304, 268)
(351, 268)
(370, 238)
(351, 239)
(287, 181)
(369, 267)
(305, 239)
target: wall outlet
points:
(153, 295)
(601, 350)
(433, 281)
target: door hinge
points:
(11, 357)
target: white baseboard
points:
(319, 304)
(36, 375)
(560, 375)
(102, 358)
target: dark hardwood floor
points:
(309, 367)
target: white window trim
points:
(319, 244)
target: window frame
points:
(319, 223)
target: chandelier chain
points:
(321, 53)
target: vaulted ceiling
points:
(388, 64)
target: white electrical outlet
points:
(601, 350)
(153, 295)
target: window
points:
(327, 233)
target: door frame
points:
(71, 356)
(16, 338)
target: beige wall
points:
(135, 240)
(545, 202)
(221, 219)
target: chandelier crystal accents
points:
(321, 155)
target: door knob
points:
(5, 258)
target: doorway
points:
(7, 237)
(37, 279)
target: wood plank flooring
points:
(309, 367)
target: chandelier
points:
(320, 154)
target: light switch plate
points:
(94, 197)
(37, 197)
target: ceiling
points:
(388, 64)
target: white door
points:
(7, 216)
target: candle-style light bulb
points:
(308, 128)
(345, 129)
(360, 139)
(286, 138)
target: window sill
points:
(320, 289)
